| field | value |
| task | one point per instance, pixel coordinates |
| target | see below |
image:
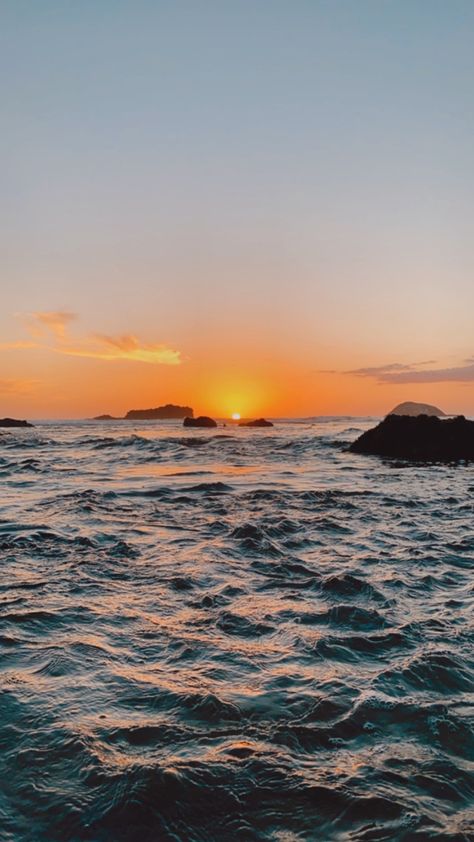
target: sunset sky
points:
(246, 206)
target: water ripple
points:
(251, 635)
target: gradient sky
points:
(264, 207)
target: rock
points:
(412, 408)
(421, 439)
(13, 422)
(106, 418)
(200, 421)
(259, 422)
(160, 413)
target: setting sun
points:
(236, 416)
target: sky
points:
(241, 205)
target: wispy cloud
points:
(52, 321)
(380, 371)
(15, 386)
(18, 346)
(50, 332)
(126, 347)
(418, 373)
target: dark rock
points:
(420, 439)
(13, 422)
(200, 421)
(160, 413)
(106, 418)
(412, 408)
(259, 422)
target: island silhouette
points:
(172, 411)
(167, 412)
(258, 422)
(14, 422)
(413, 408)
(200, 421)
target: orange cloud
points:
(126, 347)
(18, 346)
(55, 321)
(98, 346)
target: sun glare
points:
(236, 416)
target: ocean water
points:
(210, 636)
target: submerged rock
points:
(14, 422)
(421, 439)
(259, 422)
(200, 421)
(413, 408)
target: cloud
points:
(126, 347)
(54, 321)
(414, 373)
(18, 346)
(380, 370)
(12, 386)
(54, 324)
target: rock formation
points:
(14, 422)
(421, 439)
(412, 408)
(259, 422)
(106, 418)
(160, 413)
(200, 421)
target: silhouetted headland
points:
(14, 422)
(258, 422)
(420, 439)
(167, 412)
(163, 413)
(412, 408)
(200, 421)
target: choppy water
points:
(232, 635)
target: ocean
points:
(235, 634)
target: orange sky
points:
(53, 368)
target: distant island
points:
(259, 422)
(412, 408)
(166, 412)
(159, 413)
(14, 422)
(200, 421)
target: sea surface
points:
(209, 636)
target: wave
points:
(212, 637)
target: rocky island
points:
(421, 439)
(412, 408)
(200, 421)
(167, 412)
(258, 422)
(160, 413)
(14, 422)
